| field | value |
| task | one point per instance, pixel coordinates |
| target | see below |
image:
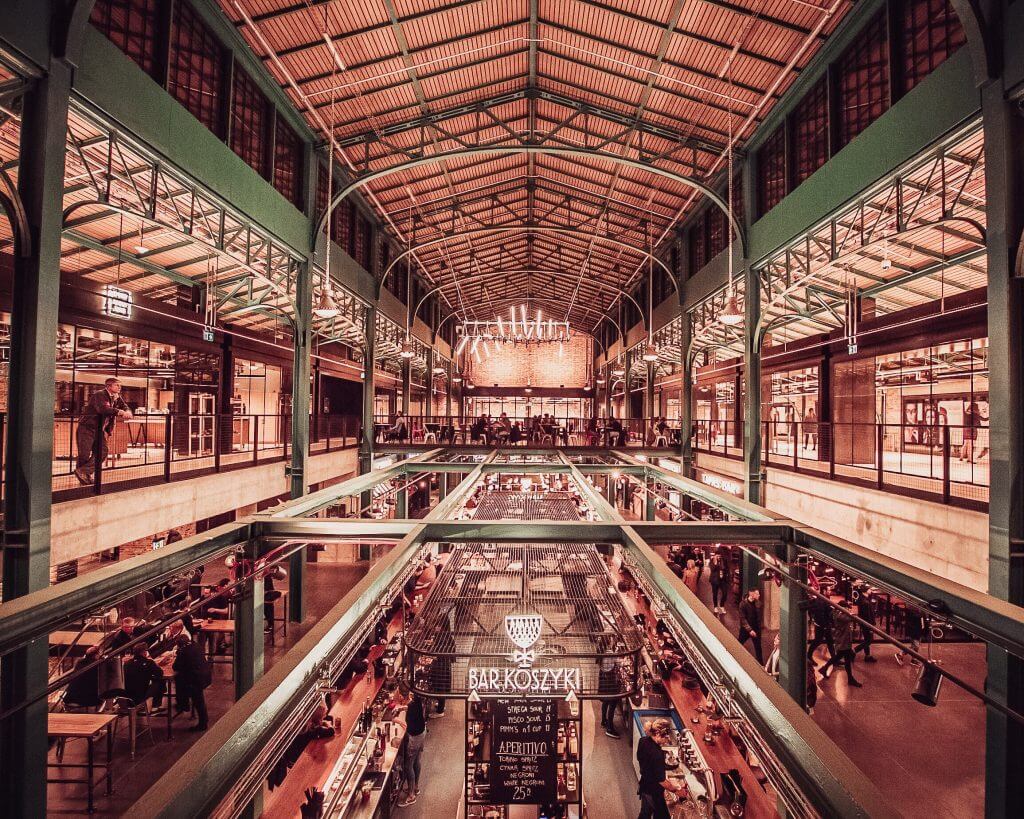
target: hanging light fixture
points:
(408, 349)
(731, 314)
(650, 352)
(599, 380)
(141, 246)
(529, 388)
(457, 378)
(438, 371)
(618, 370)
(326, 307)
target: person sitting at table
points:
(124, 635)
(515, 434)
(399, 430)
(143, 678)
(194, 675)
(83, 690)
(479, 430)
(616, 434)
(502, 428)
(592, 432)
(652, 431)
(169, 638)
(219, 604)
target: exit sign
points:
(207, 334)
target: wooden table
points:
(210, 627)
(87, 727)
(87, 639)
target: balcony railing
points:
(160, 448)
(939, 462)
(562, 432)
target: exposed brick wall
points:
(539, 364)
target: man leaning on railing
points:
(96, 426)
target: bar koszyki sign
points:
(524, 631)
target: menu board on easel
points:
(523, 754)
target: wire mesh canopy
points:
(583, 628)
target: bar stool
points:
(124, 707)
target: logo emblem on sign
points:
(523, 630)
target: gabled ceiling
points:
(658, 83)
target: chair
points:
(661, 439)
(125, 707)
(430, 437)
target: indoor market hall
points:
(512, 409)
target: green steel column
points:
(448, 392)
(300, 426)
(442, 486)
(627, 394)
(752, 383)
(249, 624)
(366, 443)
(608, 395)
(428, 401)
(649, 511)
(792, 631)
(650, 411)
(29, 455)
(1004, 182)
(406, 384)
(686, 398)
(402, 498)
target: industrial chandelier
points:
(516, 329)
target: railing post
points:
(255, 438)
(167, 447)
(287, 425)
(945, 465)
(879, 457)
(217, 421)
(796, 446)
(97, 458)
(831, 427)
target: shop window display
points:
(789, 408)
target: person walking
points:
(842, 631)
(916, 627)
(821, 616)
(690, 575)
(866, 612)
(750, 622)
(193, 675)
(719, 577)
(96, 426)
(654, 769)
(416, 734)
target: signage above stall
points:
(524, 631)
(724, 484)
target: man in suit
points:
(193, 672)
(96, 425)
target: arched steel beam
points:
(10, 202)
(982, 43)
(69, 29)
(526, 229)
(553, 150)
(597, 283)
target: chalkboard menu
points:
(523, 757)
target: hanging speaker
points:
(929, 680)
